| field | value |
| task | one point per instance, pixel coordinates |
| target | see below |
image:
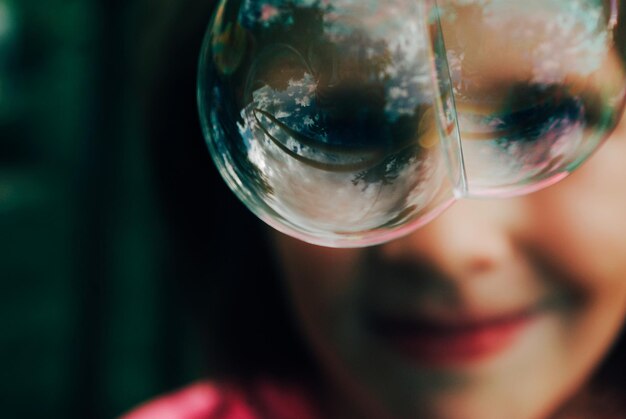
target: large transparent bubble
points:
(352, 122)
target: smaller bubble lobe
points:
(349, 123)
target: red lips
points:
(438, 344)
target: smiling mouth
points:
(449, 344)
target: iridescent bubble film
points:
(352, 122)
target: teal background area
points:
(92, 316)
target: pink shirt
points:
(263, 399)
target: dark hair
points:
(219, 253)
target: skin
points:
(560, 250)
(558, 253)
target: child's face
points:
(498, 308)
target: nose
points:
(470, 239)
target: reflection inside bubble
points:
(537, 85)
(348, 123)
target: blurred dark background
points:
(106, 202)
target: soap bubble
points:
(538, 85)
(352, 122)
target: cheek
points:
(317, 278)
(582, 221)
(579, 227)
(322, 286)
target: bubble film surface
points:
(352, 122)
(538, 86)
